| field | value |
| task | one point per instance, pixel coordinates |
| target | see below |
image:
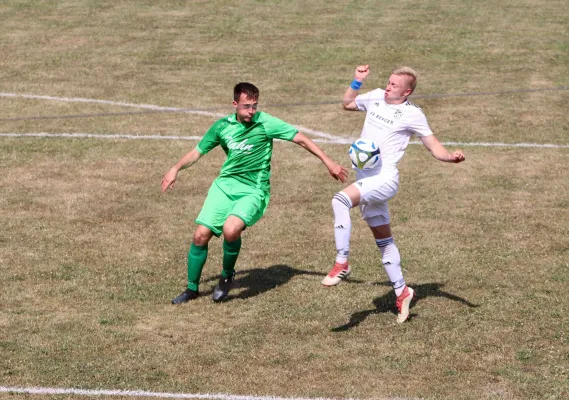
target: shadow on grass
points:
(386, 303)
(260, 280)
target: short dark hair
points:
(250, 90)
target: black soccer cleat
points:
(222, 289)
(185, 296)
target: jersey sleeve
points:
(419, 125)
(278, 129)
(211, 139)
(364, 100)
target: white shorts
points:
(376, 189)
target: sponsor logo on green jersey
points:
(239, 146)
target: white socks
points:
(341, 204)
(392, 263)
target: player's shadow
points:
(386, 303)
(260, 280)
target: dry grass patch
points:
(89, 278)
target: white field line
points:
(140, 393)
(313, 132)
(328, 138)
(335, 141)
(99, 136)
(134, 137)
(107, 102)
(497, 144)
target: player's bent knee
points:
(231, 235)
(201, 240)
(233, 228)
(202, 236)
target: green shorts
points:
(228, 196)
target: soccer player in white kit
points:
(390, 122)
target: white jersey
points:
(390, 126)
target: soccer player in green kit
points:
(239, 196)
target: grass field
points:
(91, 252)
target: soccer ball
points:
(364, 154)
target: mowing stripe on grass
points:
(208, 111)
(332, 141)
(140, 393)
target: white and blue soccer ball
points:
(364, 154)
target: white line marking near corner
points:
(140, 393)
(100, 136)
(133, 137)
(107, 102)
(313, 132)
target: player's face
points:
(397, 89)
(245, 108)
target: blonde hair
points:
(410, 72)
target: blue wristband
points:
(356, 85)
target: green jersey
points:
(249, 146)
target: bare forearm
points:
(349, 96)
(439, 152)
(309, 145)
(336, 170)
(360, 75)
(188, 160)
(169, 178)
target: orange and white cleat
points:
(403, 302)
(337, 274)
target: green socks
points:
(197, 257)
(230, 254)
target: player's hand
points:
(362, 71)
(338, 172)
(169, 179)
(457, 156)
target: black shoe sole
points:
(185, 297)
(219, 295)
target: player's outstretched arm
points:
(360, 75)
(439, 152)
(336, 170)
(169, 178)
